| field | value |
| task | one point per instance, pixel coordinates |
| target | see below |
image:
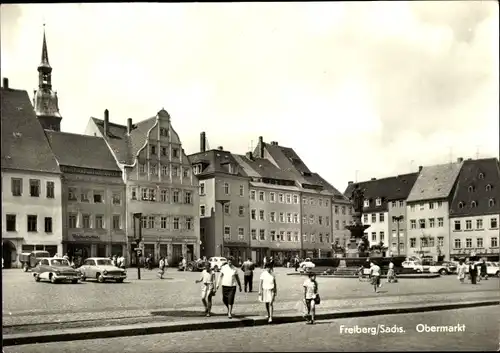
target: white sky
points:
(379, 88)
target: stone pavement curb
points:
(196, 325)
(402, 276)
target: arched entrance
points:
(9, 253)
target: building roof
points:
(24, 145)
(217, 161)
(435, 182)
(470, 177)
(262, 168)
(387, 189)
(81, 151)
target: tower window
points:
(488, 187)
(460, 205)
(471, 188)
(481, 176)
(473, 204)
(492, 202)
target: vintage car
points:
(101, 269)
(416, 265)
(192, 266)
(29, 260)
(306, 266)
(55, 269)
(217, 262)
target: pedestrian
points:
(114, 260)
(473, 272)
(484, 269)
(375, 276)
(461, 270)
(248, 267)
(296, 263)
(207, 281)
(311, 297)
(264, 262)
(271, 263)
(66, 257)
(184, 264)
(267, 291)
(390, 274)
(121, 262)
(478, 267)
(161, 267)
(229, 279)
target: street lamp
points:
(222, 203)
(138, 239)
(398, 219)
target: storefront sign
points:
(86, 236)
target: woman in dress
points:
(461, 269)
(310, 293)
(229, 279)
(268, 291)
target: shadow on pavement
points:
(190, 313)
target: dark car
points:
(55, 270)
(29, 260)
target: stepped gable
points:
(474, 187)
(81, 151)
(435, 182)
(24, 145)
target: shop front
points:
(281, 257)
(258, 255)
(480, 253)
(238, 250)
(80, 246)
(173, 248)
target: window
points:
(32, 226)
(296, 199)
(164, 151)
(311, 219)
(97, 197)
(227, 232)
(153, 149)
(374, 236)
(252, 194)
(393, 203)
(458, 225)
(72, 194)
(227, 208)
(382, 236)
(281, 198)
(440, 222)
(272, 235)
(253, 233)
(473, 204)
(413, 224)
(424, 242)
(394, 233)
(288, 236)
(153, 169)
(272, 197)
(253, 214)
(189, 223)
(488, 187)
(185, 172)
(142, 168)
(336, 209)
(272, 217)
(116, 221)
(164, 170)
(440, 241)
(412, 208)
(304, 219)
(481, 176)
(479, 224)
(366, 203)
(313, 238)
(226, 188)
(431, 205)
(50, 189)
(328, 221)
(241, 233)
(311, 201)
(320, 202)
(431, 242)
(282, 235)
(295, 218)
(343, 209)
(144, 221)
(86, 221)
(413, 242)
(282, 217)
(337, 224)
(11, 222)
(432, 223)
(343, 224)
(296, 236)
(175, 171)
(262, 234)
(468, 224)
(175, 196)
(320, 220)
(401, 203)
(261, 215)
(202, 211)
(163, 131)
(491, 202)
(288, 198)
(188, 199)
(164, 195)
(440, 204)
(242, 190)
(261, 196)
(468, 243)
(34, 187)
(374, 218)
(378, 202)
(202, 189)
(72, 221)
(422, 206)
(176, 223)
(479, 242)
(84, 196)
(175, 152)
(133, 192)
(421, 223)
(99, 223)
(163, 222)
(116, 199)
(304, 237)
(17, 186)
(460, 204)
(241, 211)
(494, 242)
(493, 223)
(365, 218)
(381, 218)
(304, 200)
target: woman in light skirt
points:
(268, 290)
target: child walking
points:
(207, 289)
(310, 294)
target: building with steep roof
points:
(475, 210)
(93, 196)
(159, 184)
(428, 206)
(31, 181)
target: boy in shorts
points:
(207, 288)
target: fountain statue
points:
(359, 244)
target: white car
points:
(306, 265)
(417, 266)
(492, 269)
(217, 262)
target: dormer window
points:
(153, 149)
(163, 131)
(461, 204)
(473, 204)
(481, 176)
(471, 188)
(488, 187)
(366, 203)
(491, 202)
(175, 152)
(378, 201)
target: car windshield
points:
(104, 262)
(59, 262)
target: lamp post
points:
(222, 203)
(398, 219)
(138, 239)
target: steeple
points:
(45, 100)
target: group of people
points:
(476, 270)
(229, 280)
(118, 261)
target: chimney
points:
(5, 83)
(249, 155)
(106, 122)
(203, 143)
(460, 159)
(261, 147)
(350, 182)
(220, 148)
(420, 168)
(373, 179)
(129, 125)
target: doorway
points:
(9, 253)
(176, 254)
(190, 252)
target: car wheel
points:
(52, 278)
(83, 278)
(100, 278)
(25, 268)
(190, 268)
(119, 280)
(419, 271)
(443, 272)
(497, 274)
(74, 281)
(37, 278)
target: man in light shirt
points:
(375, 276)
(229, 279)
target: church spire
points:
(45, 54)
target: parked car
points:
(192, 266)
(217, 262)
(415, 265)
(55, 269)
(101, 269)
(441, 268)
(306, 265)
(492, 269)
(29, 260)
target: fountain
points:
(358, 243)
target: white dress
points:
(268, 290)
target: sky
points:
(360, 90)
